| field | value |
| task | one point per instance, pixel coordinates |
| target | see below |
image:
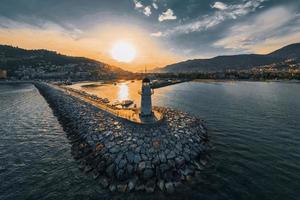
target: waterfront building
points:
(3, 74)
(146, 102)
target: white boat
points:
(105, 100)
(126, 102)
(116, 102)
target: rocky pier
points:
(124, 156)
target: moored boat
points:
(126, 103)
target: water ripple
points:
(253, 128)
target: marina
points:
(131, 114)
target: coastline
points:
(241, 80)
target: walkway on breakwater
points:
(130, 114)
(163, 83)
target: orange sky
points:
(95, 44)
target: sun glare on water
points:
(123, 52)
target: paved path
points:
(131, 114)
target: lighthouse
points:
(146, 104)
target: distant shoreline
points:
(169, 84)
(229, 80)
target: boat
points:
(116, 102)
(105, 100)
(68, 82)
(91, 85)
(126, 103)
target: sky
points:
(161, 32)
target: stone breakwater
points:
(124, 156)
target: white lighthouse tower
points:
(146, 103)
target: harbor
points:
(119, 90)
(159, 155)
(130, 114)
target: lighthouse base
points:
(152, 118)
(146, 115)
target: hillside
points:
(236, 62)
(287, 52)
(41, 63)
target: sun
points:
(123, 52)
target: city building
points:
(3, 74)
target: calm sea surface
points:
(254, 128)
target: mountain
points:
(235, 62)
(288, 52)
(49, 64)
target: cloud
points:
(167, 15)
(138, 4)
(224, 12)
(219, 5)
(266, 28)
(147, 11)
(157, 34)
